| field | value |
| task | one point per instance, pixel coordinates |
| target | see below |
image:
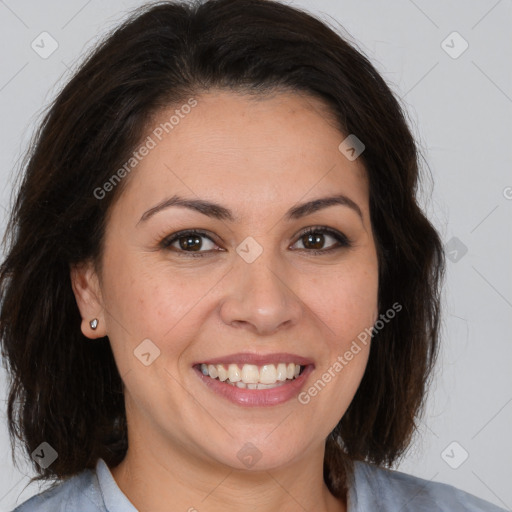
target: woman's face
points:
(251, 284)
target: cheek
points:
(149, 299)
(345, 300)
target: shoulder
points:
(80, 492)
(377, 488)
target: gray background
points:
(459, 104)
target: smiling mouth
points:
(249, 376)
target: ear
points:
(87, 290)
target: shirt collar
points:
(115, 500)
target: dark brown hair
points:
(65, 389)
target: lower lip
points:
(257, 397)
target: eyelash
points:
(343, 241)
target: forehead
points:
(247, 152)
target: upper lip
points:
(258, 359)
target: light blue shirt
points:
(373, 489)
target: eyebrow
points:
(219, 212)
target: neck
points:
(154, 479)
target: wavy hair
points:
(161, 55)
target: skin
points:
(258, 157)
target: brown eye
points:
(187, 242)
(192, 242)
(314, 239)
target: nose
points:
(260, 297)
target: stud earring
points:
(94, 323)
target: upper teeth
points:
(252, 374)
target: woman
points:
(220, 292)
